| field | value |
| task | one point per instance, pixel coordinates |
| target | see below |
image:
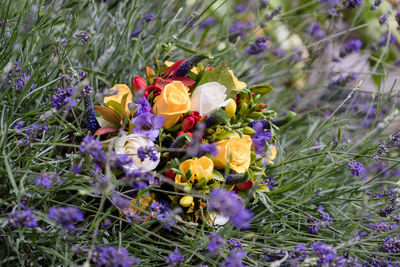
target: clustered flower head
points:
(66, 217)
(47, 179)
(112, 257)
(22, 218)
(350, 47)
(259, 46)
(235, 259)
(316, 32)
(230, 205)
(356, 168)
(17, 79)
(174, 258)
(216, 242)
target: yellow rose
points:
(172, 103)
(238, 84)
(201, 167)
(122, 90)
(236, 151)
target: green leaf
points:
(108, 114)
(262, 89)
(221, 75)
(216, 175)
(115, 105)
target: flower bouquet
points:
(188, 138)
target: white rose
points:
(129, 144)
(208, 97)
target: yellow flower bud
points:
(186, 201)
(230, 109)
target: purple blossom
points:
(147, 152)
(83, 36)
(22, 218)
(391, 245)
(17, 125)
(330, 7)
(216, 242)
(149, 17)
(386, 39)
(230, 205)
(63, 98)
(76, 168)
(383, 19)
(143, 106)
(91, 146)
(274, 13)
(316, 32)
(174, 258)
(353, 3)
(278, 52)
(350, 47)
(148, 124)
(233, 244)
(162, 213)
(47, 179)
(66, 216)
(240, 29)
(259, 46)
(325, 253)
(120, 201)
(137, 179)
(16, 79)
(113, 257)
(240, 9)
(234, 259)
(356, 168)
(260, 138)
(206, 23)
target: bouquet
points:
(189, 138)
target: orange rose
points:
(172, 103)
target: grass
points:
(314, 150)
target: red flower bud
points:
(170, 174)
(182, 132)
(245, 186)
(138, 83)
(190, 121)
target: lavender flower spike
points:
(91, 120)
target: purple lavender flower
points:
(356, 168)
(325, 253)
(260, 138)
(17, 125)
(278, 52)
(316, 32)
(240, 9)
(91, 146)
(113, 257)
(234, 259)
(313, 225)
(391, 245)
(83, 36)
(233, 244)
(137, 179)
(66, 216)
(230, 205)
(274, 13)
(17, 79)
(120, 201)
(47, 179)
(76, 168)
(162, 213)
(148, 124)
(206, 23)
(350, 47)
(22, 218)
(259, 46)
(397, 18)
(147, 152)
(138, 28)
(383, 19)
(330, 7)
(216, 242)
(174, 258)
(353, 3)
(240, 29)
(386, 39)
(149, 17)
